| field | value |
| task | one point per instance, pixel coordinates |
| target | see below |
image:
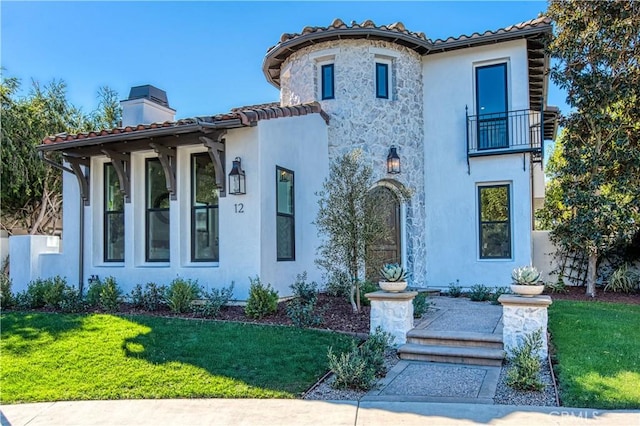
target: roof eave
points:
(138, 135)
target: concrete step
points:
(452, 354)
(455, 338)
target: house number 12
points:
(239, 208)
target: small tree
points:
(348, 220)
(598, 51)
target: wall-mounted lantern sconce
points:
(393, 161)
(237, 183)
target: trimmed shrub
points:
(455, 290)
(72, 301)
(43, 293)
(479, 293)
(263, 300)
(93, 291)
(110, 295)
(338, 285)
(303, 314)
(6, 296)
(525, 370)
(499, 291)
(359, 368)
(151, 298)
(307, 292)
(181, 293)
(367, 287)
(420, 304)
(213, 301)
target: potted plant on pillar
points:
(526, 281)
(394, 278)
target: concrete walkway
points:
(299, 412)
(418, 381)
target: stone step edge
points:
(454, 335)
(459, 351)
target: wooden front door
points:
(387, 249)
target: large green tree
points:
(596, 45)
(349, 221)
(31, 189)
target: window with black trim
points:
(495, 222)
(113, 216)
(327, 79)
(382, 80)
(204, 210)
(157, 213)
(492, 106)
(285, 214)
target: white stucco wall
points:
(300, 145)
(451, 203)
(137, 111)
(360, 120)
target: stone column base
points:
(393, 313)
(522, 316)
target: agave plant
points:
(393, 272)
(526, 275)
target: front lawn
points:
(598, 353)
(54, 357)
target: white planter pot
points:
(527, 290)
(393, 286)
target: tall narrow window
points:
(491, 99)
(382, 80)
(285, 214)
(157, 213)
(495, 222)
(204, 210)
(113, 216)
(326, 72)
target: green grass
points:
(598, 353)
(54, 357)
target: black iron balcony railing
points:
(505, 133)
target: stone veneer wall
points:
(522, 316)
(360, 120)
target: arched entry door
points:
(387, 248)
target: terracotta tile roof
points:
(243, 116)
(395, 33)
(542, 23)
(338, 24)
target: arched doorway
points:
(388, 248)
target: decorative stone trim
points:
(522, 316)
(393, 313)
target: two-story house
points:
(460, 123)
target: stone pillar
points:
(393, 313)
(522, 316)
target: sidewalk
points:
(299, 412)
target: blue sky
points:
(207, 56)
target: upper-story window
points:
(382, 80)
(204, 210)
(113, 216)
(327, 81)
(494, 210)
(492, 106)
(157, 213)
(285, 215)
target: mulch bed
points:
(336, 314)
(579, 294)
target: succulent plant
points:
(393, 272)
(526, 275)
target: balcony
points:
(506, 133)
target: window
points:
(326, 74)
(491, 99)
(382, 80)
(495, 222)
(157, 213)
(285, 214)
(204, 210)
(113, 216)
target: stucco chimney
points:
(146, 104)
